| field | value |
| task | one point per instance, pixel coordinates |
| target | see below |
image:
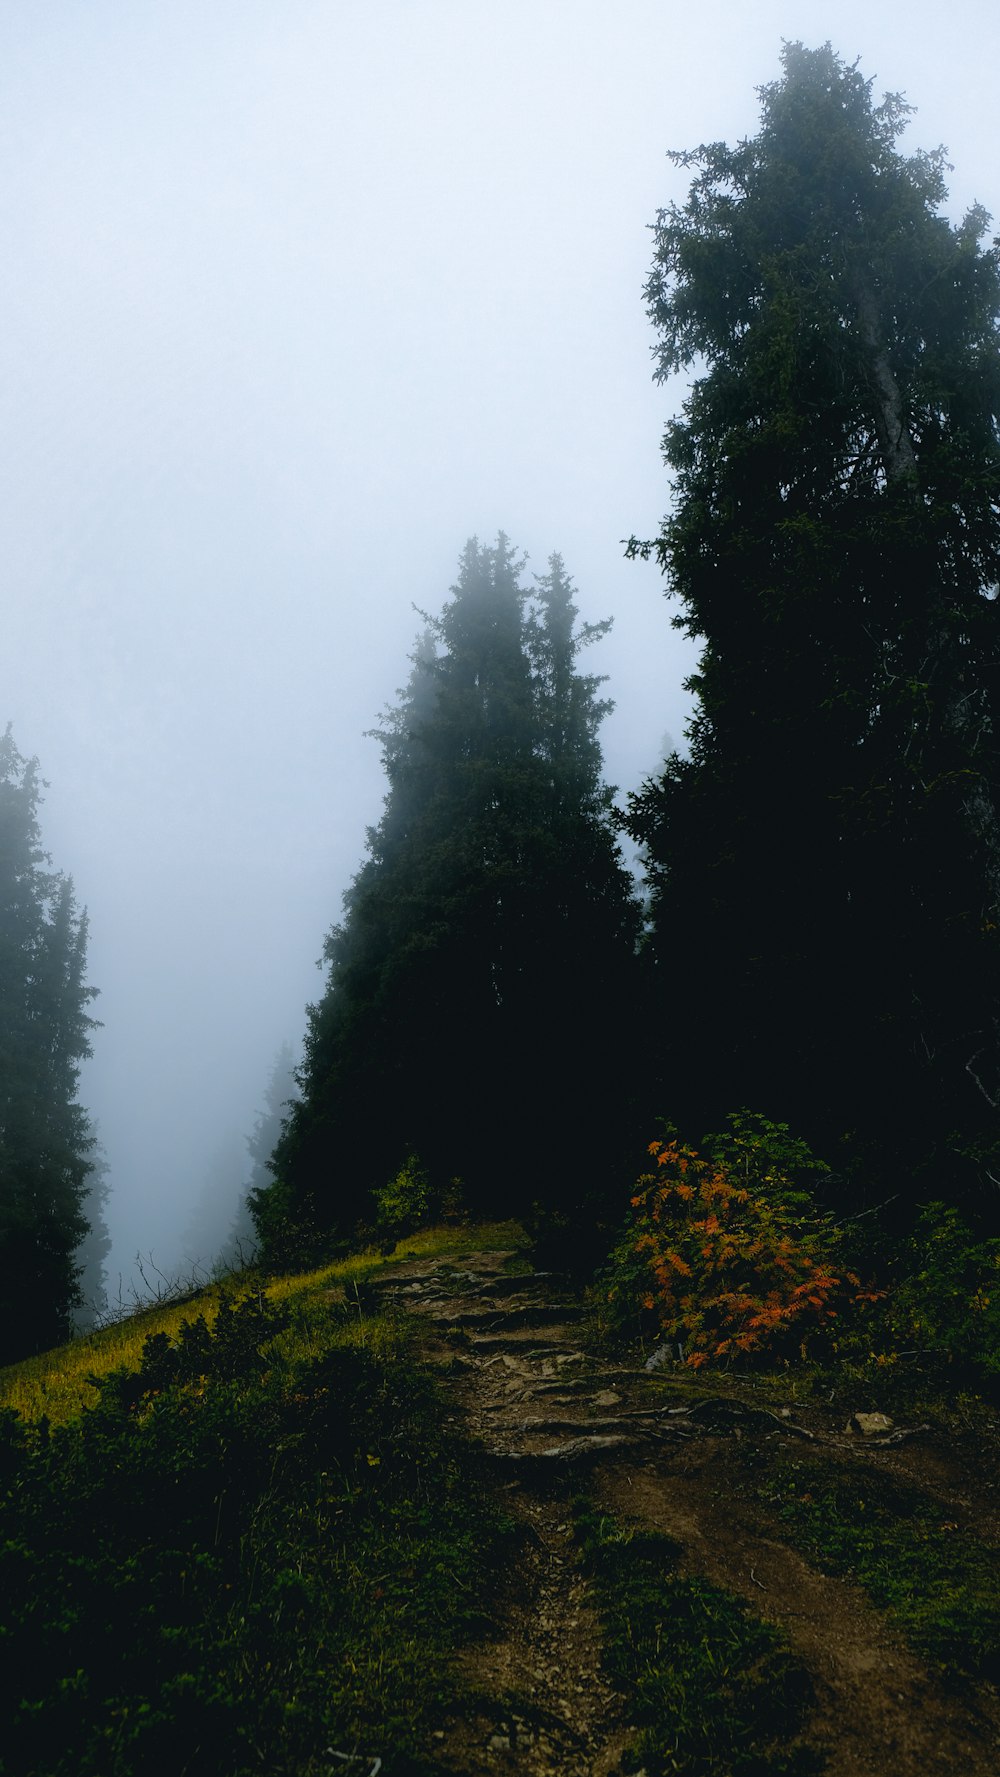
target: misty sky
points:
(297, 296)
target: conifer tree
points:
(45, 1136)
(479, 985)
(90, 1255)
(281, 1093)
(825, 864)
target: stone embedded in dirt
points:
(607, 1398)
(669, 1353)
(500, 1315)
(511, 1283)
(870, 1425)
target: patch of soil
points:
(878, 1709)
(541, 1702)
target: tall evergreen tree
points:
(478, 1005)
(45, 1136)
(90, 1255)
(825, 864)
(281, 1093)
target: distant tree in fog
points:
(205, 1243)
(96, 1243)
(46, 1141)
(480, 998)
(282, 1092)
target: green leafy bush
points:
(941, 1301)
(403, 1203)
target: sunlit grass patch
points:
(357, 1268)
(446, 1241)
(55, 1384)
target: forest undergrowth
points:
(257, 1547)
(257, 1530)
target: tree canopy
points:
(46, 1140)
(479, 998)
(824, 866)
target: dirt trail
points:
(549, 1413)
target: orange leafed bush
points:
(724, 1253)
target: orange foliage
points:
(730, 1272)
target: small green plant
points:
(404, 1202)
(725, 1252)
(943, 1296)
(713, 1691)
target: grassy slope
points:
(253, 1540)
(272, 1544)
(57, 1383)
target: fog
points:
(299, 296)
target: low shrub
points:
(725, 1252)
(940, 1306)
(404, 1202)
(261, 1543)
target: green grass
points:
(939, 1583)
(261, 1541)
(57, 1383)
(449, 1241)
(712, 1690)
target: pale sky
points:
(296, 297)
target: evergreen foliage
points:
(96, 1243)
(824, 867)
(45, 1135)
(280, 1095)
(480, 992)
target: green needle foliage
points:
(482, 982)
(825, 865)
(46, 1141)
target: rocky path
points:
(550, 1413)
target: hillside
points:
(416, 1513)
